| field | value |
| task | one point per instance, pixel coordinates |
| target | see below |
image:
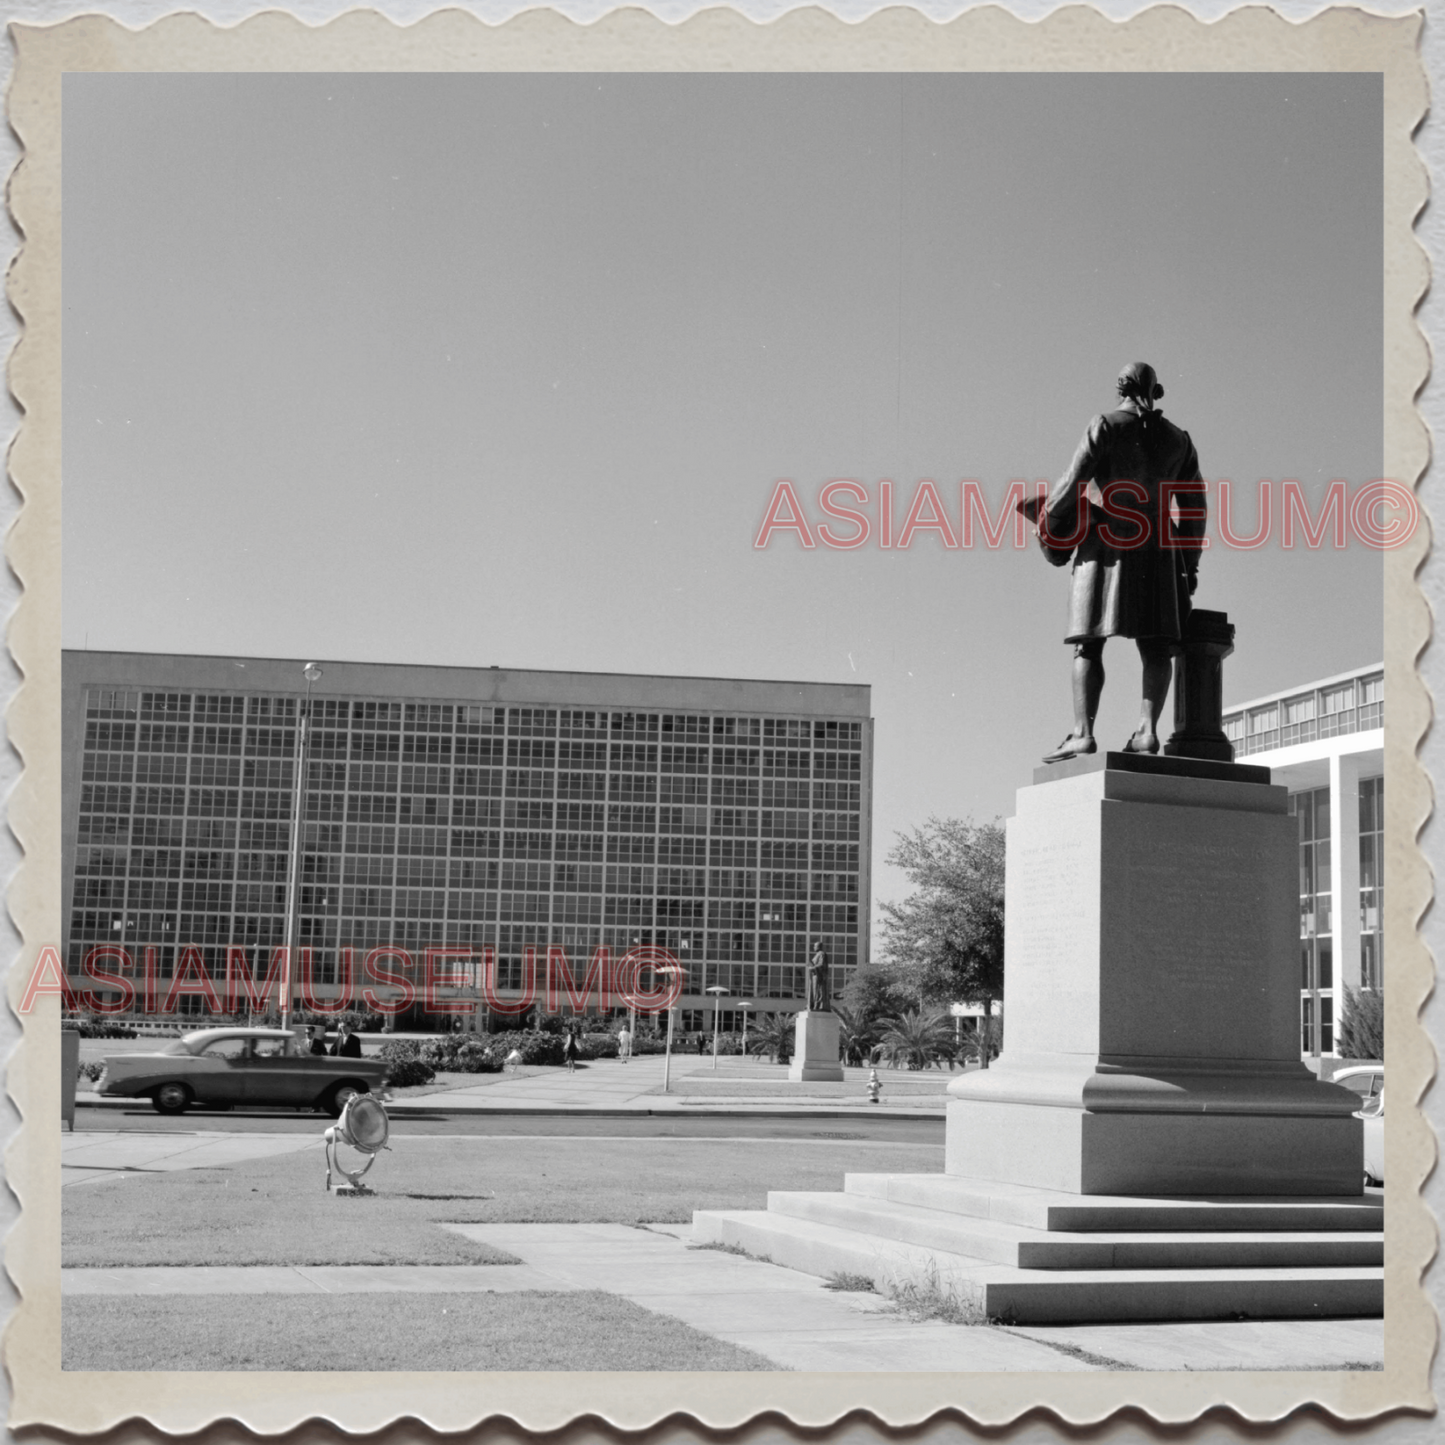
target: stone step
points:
(1085, 1213)
(1000, 1242)
(1034, 1296)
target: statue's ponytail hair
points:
(1138, 381)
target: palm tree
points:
(916, 1039)
(772, 1034)
(856, 1035)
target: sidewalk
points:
(790, 1318)
(608, 1086)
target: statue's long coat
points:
(1118, 592)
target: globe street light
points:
(311, 673)
(717, 991)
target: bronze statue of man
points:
(1135, 555)
(818, 990)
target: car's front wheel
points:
(171, 1099)
(341, 1096)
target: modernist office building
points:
(1326, 743)
(725, 820)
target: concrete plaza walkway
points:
(736, 1085)
(785, 1317)
(788, 1317)
(609, 1086)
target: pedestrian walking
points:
(571, 1051)
(624, 1043)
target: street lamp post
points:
(311, 673)
(717, 991)
(667, 968)
(745, 1005)
(682, 945)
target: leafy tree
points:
(1362, 1028)
(917, 1039)
(945, 940)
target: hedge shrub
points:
(91, 1027)
(461, 1054)
(405, 1068)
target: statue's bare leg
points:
(1088, 688)
(1157, 657)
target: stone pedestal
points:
(1199, 688)
(1152, 988)
(815, 1048)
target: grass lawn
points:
(586, 1330)
(274, 1211)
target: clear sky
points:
(503, 369)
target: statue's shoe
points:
(1072, 747)
(1134, 745)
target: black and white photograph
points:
(727, 722)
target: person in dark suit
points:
(1135, 559)
(318, 1040)
(347, 1045)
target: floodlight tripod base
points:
(353, 1186)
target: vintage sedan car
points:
(1369, 1081)
(226, 1067)
(1373, 1115)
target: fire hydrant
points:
(873, 1086)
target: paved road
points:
(144, 1120)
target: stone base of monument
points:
(1150, 1145)
(815, 1048)
(1038, 1256)
(1153, 995)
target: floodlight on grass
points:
(363, 1126)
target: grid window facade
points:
(1354, 705)
(732, 840)
(1372, 880)
(1312, 811)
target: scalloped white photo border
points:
(988, 39)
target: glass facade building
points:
(1325, 742)
(725, 820)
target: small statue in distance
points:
(818, 989)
